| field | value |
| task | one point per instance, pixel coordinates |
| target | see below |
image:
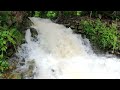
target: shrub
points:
(106, 37)
(51, 14)
(9, 36)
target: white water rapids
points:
(60, 54)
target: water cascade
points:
(58, 53)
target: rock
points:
(11, 75)
(74, 30)
(67, 25)
(10, 52)
(13, 61)
(29, 72)
(22, 63)
(79, 27)
(1, 76)
(15, 76)
(72, 27)
(21, 73)
(33, 32)
(53, 70)
(77, 22)
(23, 60)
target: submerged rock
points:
(33, 32)
(29, 72)
(16, 71)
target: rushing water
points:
(60, 54)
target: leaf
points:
(10, 39)
(79, 13)
(12, 32)
(4, 48)
(1, 56)
(2, 69)
(37, 14)
(4, 42)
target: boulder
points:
(29, 72)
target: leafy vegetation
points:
(106, 37)
(10, 37)
(46, 14)
(55, 14)
(51, 14)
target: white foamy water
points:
(60, 54)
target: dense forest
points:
(100, 27)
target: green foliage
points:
(46, 14)
(106, 37)
(4, 17)
(37, 14)
(51, 14)
(71, 13)
(54, 14)
(79, 13)
(4, 65)
(8, 36)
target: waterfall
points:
(58, 53)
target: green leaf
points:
(79, 13)
(4, 48)
(1, 56)
(10, 39)
(37, 14)
(4, 42)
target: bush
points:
(106, 37)
(51, 14)
(9, 36)
(54, 14)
